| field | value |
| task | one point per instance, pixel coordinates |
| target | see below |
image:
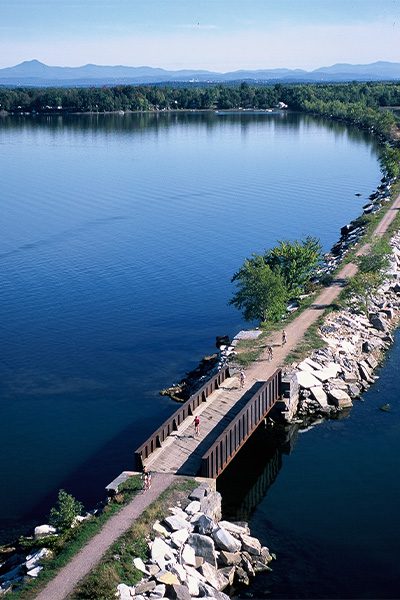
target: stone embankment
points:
(331, 377)
(352, 233)
(196, 554)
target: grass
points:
(66, 546)
(117, 564)
(312, 340)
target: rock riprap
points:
(194, 555)
(331, 377)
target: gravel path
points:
(70, 575)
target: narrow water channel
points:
(326, 501)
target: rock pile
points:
(196, 554)
(16, 567)
(332, 376)
(351, 234)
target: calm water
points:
(331, 512)
(119, 236)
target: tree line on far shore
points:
(329, 98)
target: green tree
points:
(261, 293)
(62, 515)
(296, 261)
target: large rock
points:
(312, 363)
(178, 570)
(217, 580)
(242, 576)
(229, 558)
(199, 492)
(246, 563)
(44, 530)
(235, 528)
(354, 390)
(33, 559)
(365, 372)
(229, 573)
(206, 591)
(387, 312)
(225, 540)
(34, 572)
(204, 525)
(180, 592)
(191, 572)
(378, 322)
(188, 555)
(176, 522)
(178, 538)
(350, 377)
(372, 362)
(168, 578)
(211, 505)
(140, 566)
(144, 586)
(340, 399)
(161, 529)
(160, 551)
(251, 545)
(158, 592)
(125, 592)
(203, 546)
(193, 585)
(328, 372)
(307, 380)
(193, 507)
(320, 396)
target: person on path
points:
(284, 337)
(270, 353)
(196, 425)
(242, 379)
(145, 479)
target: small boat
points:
(385, 407)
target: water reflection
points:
(295, 123)
(246, 481)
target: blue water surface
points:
(119, 237)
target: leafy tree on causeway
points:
(296, 261)
(266, 282)
(261, 293)
(63, 514)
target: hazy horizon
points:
(215, 35)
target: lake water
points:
(119, 236)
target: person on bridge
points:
(196, 425)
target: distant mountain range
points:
(35, 73)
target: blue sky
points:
(219, 35)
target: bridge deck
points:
(182, 451)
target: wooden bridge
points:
(228, 417)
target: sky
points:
(217, 35)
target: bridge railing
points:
(223, 450)
(172, 423)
